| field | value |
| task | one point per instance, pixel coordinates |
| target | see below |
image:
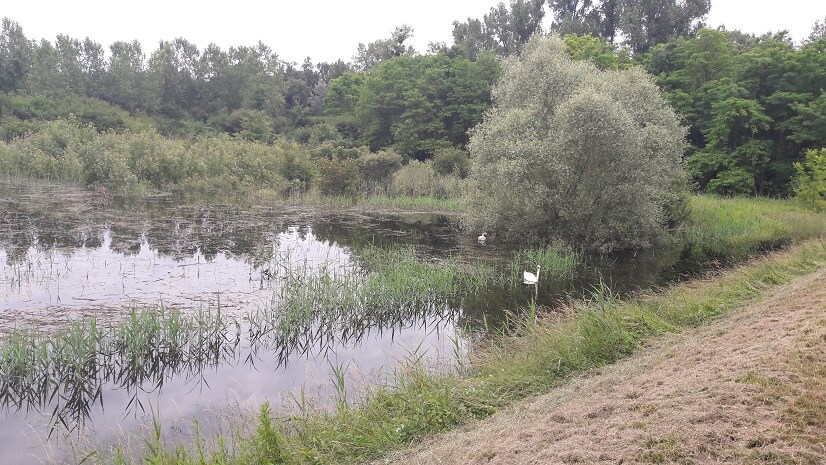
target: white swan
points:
(530, 278)
(481, 239)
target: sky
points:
(324, 30)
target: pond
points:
(250, 278)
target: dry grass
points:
(747, 389)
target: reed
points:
(557, 262)
(65, 371)
(313, 308)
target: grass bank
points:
(735, 228)
(545, 351)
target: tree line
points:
(753, 104)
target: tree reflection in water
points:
(326, 287)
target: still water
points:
(67, 254)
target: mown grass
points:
(800, 399)
(543, 353)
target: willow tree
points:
(572, 153)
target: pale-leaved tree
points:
(576, 154)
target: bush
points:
(734, 181)
(377, 169)
(451, 161)
(418, 179)
(297, 169)
(575, 154)
(809, 183)
(339, 177)
(254, 125)
(14, 128)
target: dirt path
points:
(750, 388)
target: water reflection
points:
(275, 293)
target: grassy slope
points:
(748, 389)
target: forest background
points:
(753, 103)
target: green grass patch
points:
(735, 228)
(556, 261)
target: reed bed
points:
(556, 262)
(67, 370)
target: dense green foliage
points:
(810, 180)
(753, 104)
(419, 104)
(573, 153)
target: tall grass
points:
(421, 203)
(384, 288)
(735, 228)
(556, 262)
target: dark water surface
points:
(66, 253)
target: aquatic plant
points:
(65, 371)
(556, 261)
(313, 308)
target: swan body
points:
(481, 239)
(530, 278)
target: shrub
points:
(377, 169)
(13, 128)
(809, 183)
(339, 177)
(297, 168)
(575, 154)
(419, 179)
(451, 161)
(734, 181)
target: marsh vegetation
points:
(119, 307)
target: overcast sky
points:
(325, 30)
